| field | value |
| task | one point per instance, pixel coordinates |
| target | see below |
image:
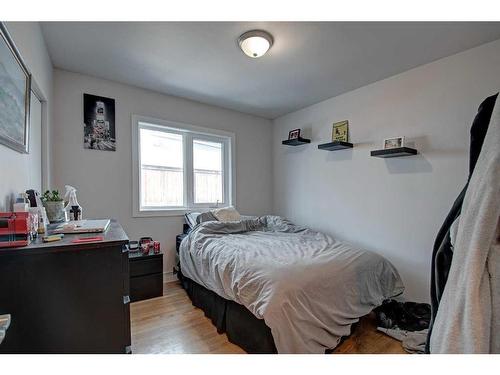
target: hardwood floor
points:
(171, 324)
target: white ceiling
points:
(309, 62)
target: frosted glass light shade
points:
(255, 43)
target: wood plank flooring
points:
(171, 324)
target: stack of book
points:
(14, 229)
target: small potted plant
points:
(54, 205)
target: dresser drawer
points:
(147, 266)
(144, 287)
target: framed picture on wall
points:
(15, 95)
(99, 120)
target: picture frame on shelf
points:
(294, 134)
(394, 142)
(340, 131)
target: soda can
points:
(156, 247)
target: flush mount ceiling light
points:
(255, 43)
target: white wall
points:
(104, 179)
(16, 169)
(395, 206)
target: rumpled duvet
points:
(308, 287)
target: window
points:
(207, 169)
(162, 169)
(179, 167)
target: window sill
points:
(170, 212)
(160, 213)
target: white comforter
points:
(308, 287)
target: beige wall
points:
(104, 179)
(394, 206)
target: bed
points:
(277, 287)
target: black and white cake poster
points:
(99, 120)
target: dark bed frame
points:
(240, 325)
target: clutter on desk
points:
(83, 226)
(54, 205)
(53, 237)
(88, 239)
(22, 203)
(15, 229)
(32, 213)
(38, 210)
(73, 208)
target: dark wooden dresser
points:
(65, 297)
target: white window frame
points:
(189, 132)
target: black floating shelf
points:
(334, 146)
(296, 142)
(394, 152)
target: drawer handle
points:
(126, 300)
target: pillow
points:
(226, 214)
(205, 216)
(248, 217)
(191, 219)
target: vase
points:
(55, 211)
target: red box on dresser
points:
(14, 229)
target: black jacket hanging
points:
(442, 253)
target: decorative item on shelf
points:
(294, 134)
(340, 131)
(54, 205)
(394, 142)
(294, 139)
(393, 148)
(15, 95)
(340, 136)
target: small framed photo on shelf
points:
(395, 142)
(294, 134)
(340, 131)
